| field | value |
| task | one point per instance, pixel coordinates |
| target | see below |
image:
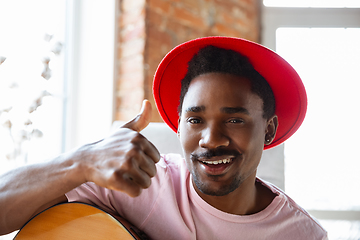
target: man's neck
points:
(249, 198)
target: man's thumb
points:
(142, 119)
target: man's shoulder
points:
(293, 215)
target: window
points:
(321, 159)
(78, 102)
(78, 106)
(31, 80)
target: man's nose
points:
(214, 136)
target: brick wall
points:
(148, 29)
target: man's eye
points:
(194, 121)
(236, 120)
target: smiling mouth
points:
(216, 167)
(216, 162)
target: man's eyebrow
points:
(195, 109)
(231, 110)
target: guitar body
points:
(77, 221)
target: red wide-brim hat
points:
(288, 89)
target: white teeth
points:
(228, 160)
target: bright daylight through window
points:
(328, 137)
(31, 80)
(322, 158)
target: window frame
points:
(89, 71)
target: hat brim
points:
(289, 92)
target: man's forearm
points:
(124, 161)
(31, 189)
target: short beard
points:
(206, 189)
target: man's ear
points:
(272, 124)
(178, 128)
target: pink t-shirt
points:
(171, 209)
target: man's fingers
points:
(129, 186)
(140, 122)
(147, 165)
(135, 178)
(151, 151)
(142, 119)
(135, 154)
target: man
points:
(227, 99)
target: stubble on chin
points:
(209, 189)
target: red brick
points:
(129, 105)
(188, 18)
(238, 13)
(177, 28)
(128, 99)
(130, 65)
(153, 59)
(160, 6)
(194, 6)
(226, 18)
(195, 33)
(249, 3)
(148, 87)
(225, 30)
(133, 32)
(130, 81)
(131, 48)
(132, 17)
(155, 19)
(158, 41)
(226, 5)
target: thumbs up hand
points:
(124, 161)
(142, 120)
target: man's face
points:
(222, 132)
